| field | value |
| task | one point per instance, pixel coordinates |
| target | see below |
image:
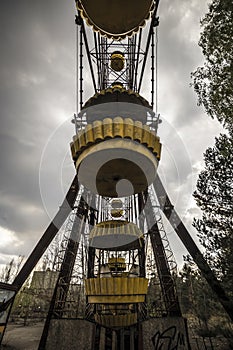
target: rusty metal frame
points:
(175, 221)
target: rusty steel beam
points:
(49, 234)
(175, 221)
(154, 23)
(167, 284)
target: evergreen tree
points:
(196, 297)
(214, 195)
(213, 82)
(200, 305)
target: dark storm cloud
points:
(179, 55)
(37, 97)
(186, 131)
(37, 74)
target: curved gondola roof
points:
(116, 19)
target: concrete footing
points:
(165, 333)
(70, 334)
(154, 334)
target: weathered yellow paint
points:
(115, 233)
(107, 128)
(117, 213)
(118, 127)
(118, 299)
(117, 61)
(138, 129)
(146, 135)
(73, 151)
(102, 165)
(82, 142)
(117, 264)
(89, 136)
(98, 130)
(116, 290)
(129, 128)
(116, 320)
(115, 128)
(117, 89)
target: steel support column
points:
(50, 233)
(191, 246)
(166, 281)
(63, 282)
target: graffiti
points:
(170, 339)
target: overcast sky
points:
(37, 97)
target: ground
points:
(19, 337)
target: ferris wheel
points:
(117, 256)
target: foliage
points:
(10, 270)
(213, 82)
(196, 296)
(214, 195)
(199, 304)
